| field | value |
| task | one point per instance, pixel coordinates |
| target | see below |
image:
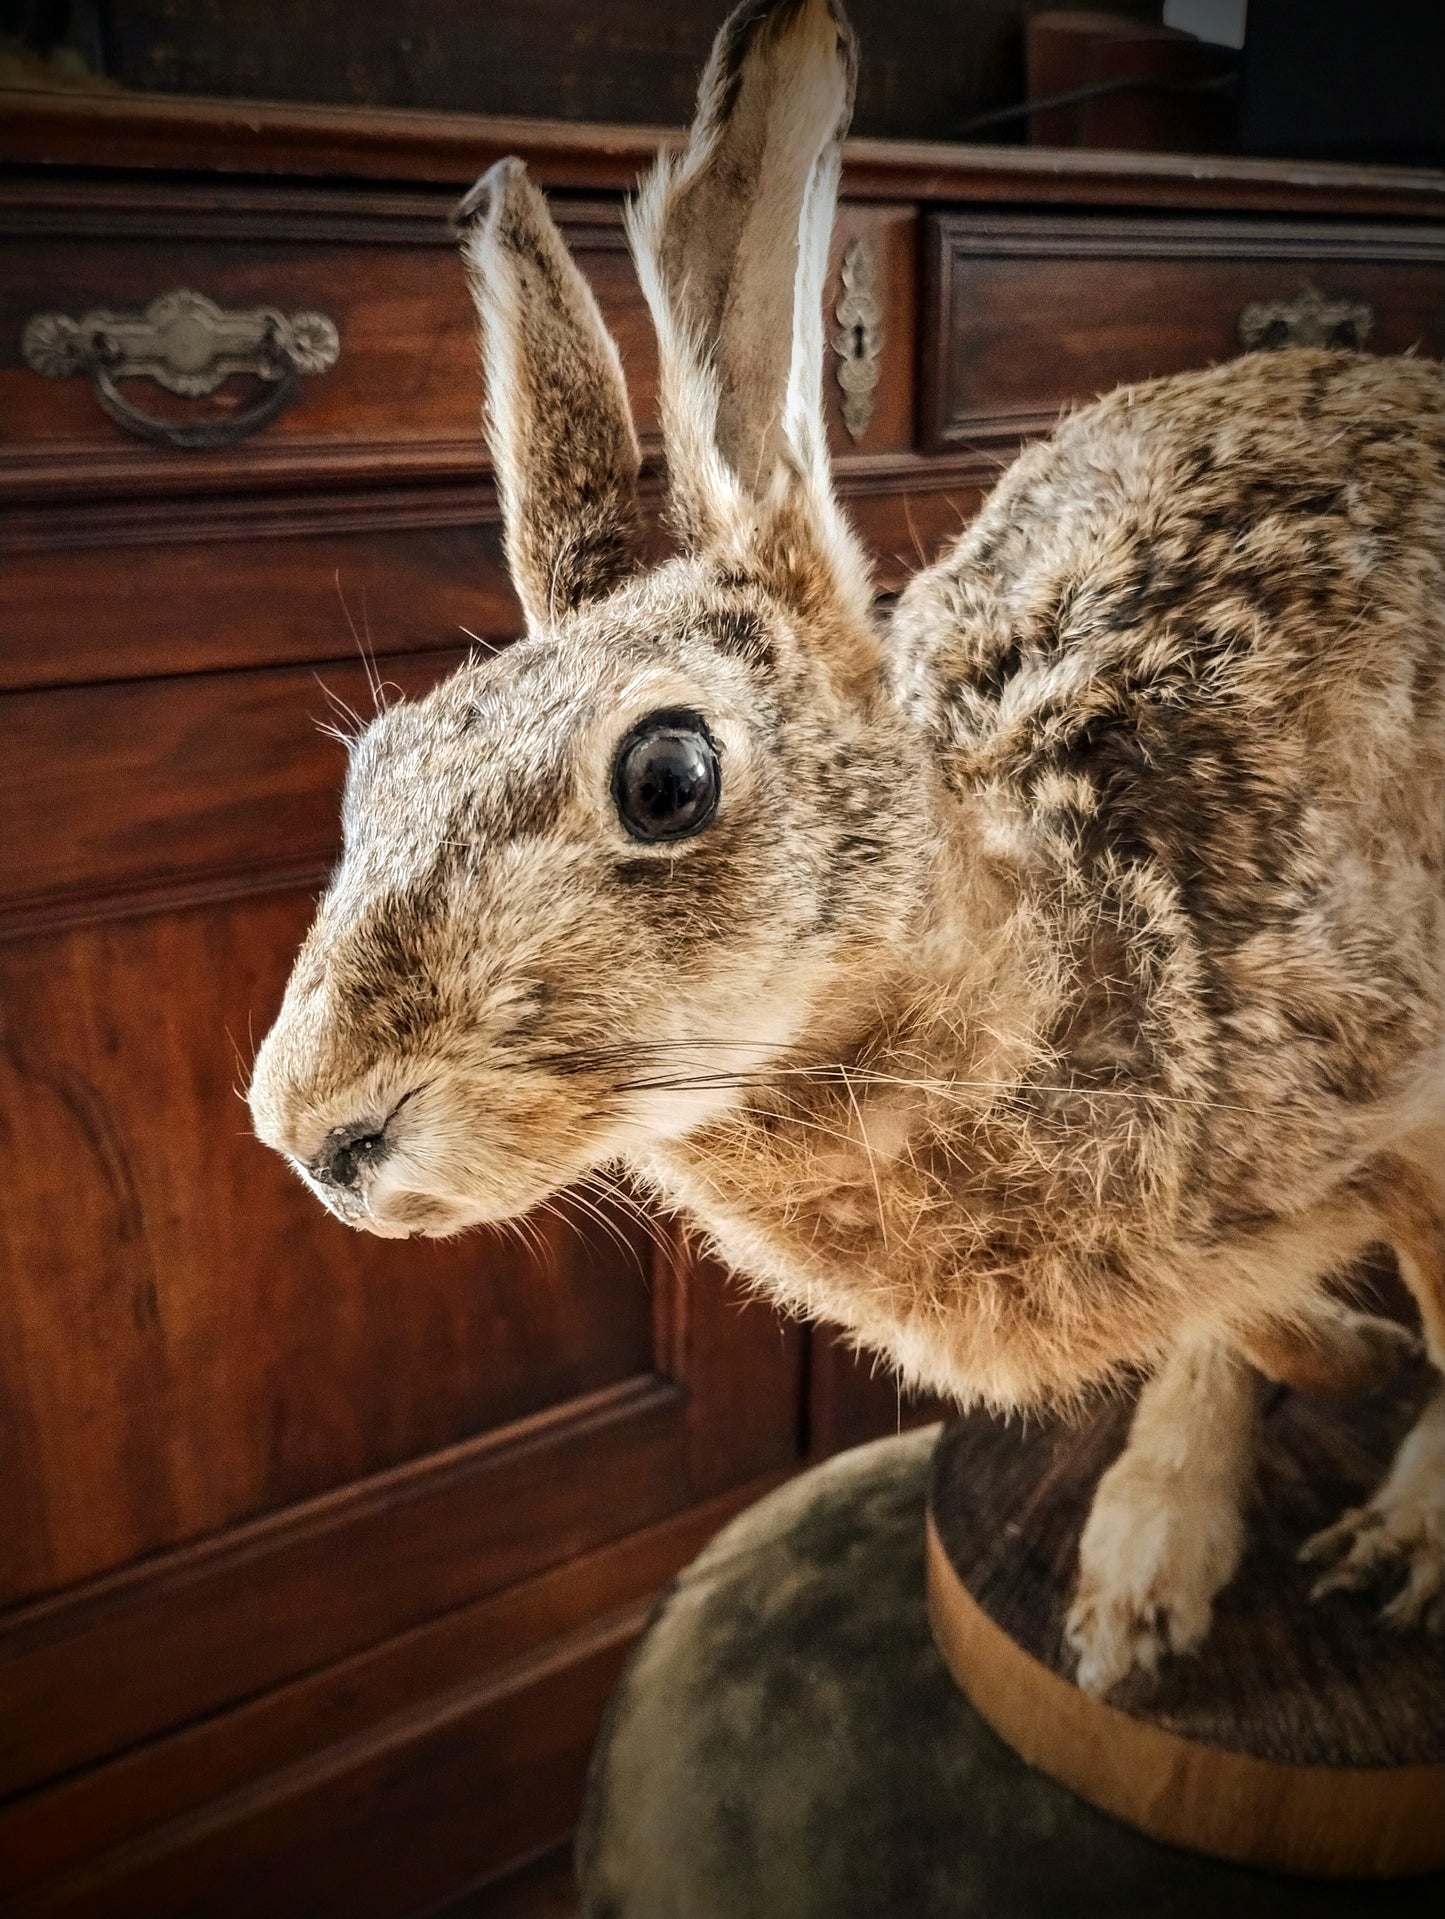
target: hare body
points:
(1049, 985)
(1181, 971)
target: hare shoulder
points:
(1200, 634)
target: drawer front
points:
(402, 400)
(225, 584)
(145, 588)
(1025, 315)
(173, 788)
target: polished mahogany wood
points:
(144, 590)
(264, 1603)
(855, 1397)
(468, 1781)
(206, 588)
(1027, 313)
(129, 792)
(404, 397)
(389, 143)
(544, 1889)
(403, 401)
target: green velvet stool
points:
(787, 1744)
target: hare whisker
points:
(604, 1192)
(345, 710)
(373, 680)
(838, 1073)
(587, 1204)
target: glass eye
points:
(666, 780)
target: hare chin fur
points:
(1064, 957)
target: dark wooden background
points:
(931, 63)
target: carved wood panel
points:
(190, 1339)
(373, 1784)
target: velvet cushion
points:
(786, 1744)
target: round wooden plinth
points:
(1304, 1738)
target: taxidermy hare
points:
(1042, 985)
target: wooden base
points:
(1303, 1738)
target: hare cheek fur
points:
(1058, 988)
(503, 990)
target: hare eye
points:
(666, 779)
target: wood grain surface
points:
(1303, 1737)
(1026, 313)
(271, 137)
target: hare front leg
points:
(1166, 1529)
(1401, 1530)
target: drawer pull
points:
(1309, 319)
(859, 339)
(188, 345)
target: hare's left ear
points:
(731, 243)
(562, 437)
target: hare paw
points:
(1398, 1535)
(1114, 1634)
(1153, 1556)
(1372, 1544)
(1383, 1541)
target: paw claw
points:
(1344, 1579)
(1332, 1540)
(1393, 1537)
(1415, 1605)
(1115, 1632)
(1110, 1642)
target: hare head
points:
(591, 884)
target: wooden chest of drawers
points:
(321, 1554)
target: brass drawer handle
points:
(188, 345)
(1309, 319)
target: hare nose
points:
(344, 1152)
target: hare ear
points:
(731, 243)
(561, 431)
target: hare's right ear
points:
(562, 437)
(732, 248)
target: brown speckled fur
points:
(1061, 963)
